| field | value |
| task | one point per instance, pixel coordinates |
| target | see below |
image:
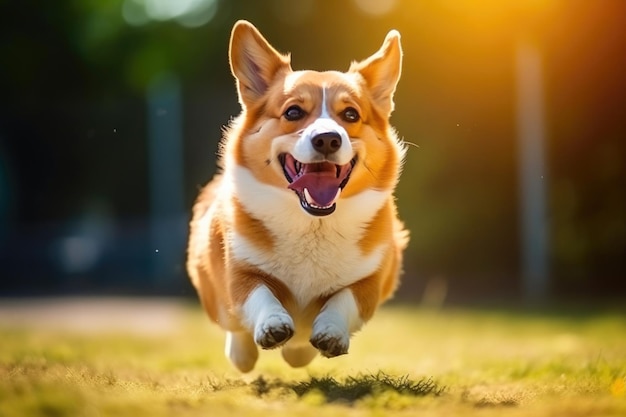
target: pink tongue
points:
(322, 186)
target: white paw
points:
(274, 330)
(330, 339)
(241, 350)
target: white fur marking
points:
(241, 350)
(340, 311)
(303, 149)
(338, 319)
(260, 304)
(324, 114)
(263, 313)
(312, 257)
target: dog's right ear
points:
(254, 62)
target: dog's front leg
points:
(338, 319)
(266, 317)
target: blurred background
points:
(514, 185)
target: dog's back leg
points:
(299, 355)
(241, 350)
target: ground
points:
(160, 357)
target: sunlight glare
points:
(376, 7)
(189, 13)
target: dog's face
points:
(322, 135)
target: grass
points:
(452, 362)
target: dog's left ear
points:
(254, 62)
(381, 71)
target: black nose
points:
(326, 143)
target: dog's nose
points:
(326, 143)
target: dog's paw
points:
(330, 340)
(241, 350)
(274, 331)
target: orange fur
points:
(248, 229)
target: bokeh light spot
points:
(188, 13)
(376, 7)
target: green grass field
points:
(453, 362)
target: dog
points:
(296, 241)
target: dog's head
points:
(320, 134)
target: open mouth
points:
(317, 184)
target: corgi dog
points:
(296, 241)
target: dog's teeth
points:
(309, 199)
(307, 196)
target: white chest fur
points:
(313, 256)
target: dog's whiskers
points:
(411, 144)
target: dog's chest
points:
(311, 264)
(311, 256)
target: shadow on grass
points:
(351, 389)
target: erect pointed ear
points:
(254, 62)
(381, 71)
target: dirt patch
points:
(87, 314)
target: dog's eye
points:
(350, 115)
(294, 113)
